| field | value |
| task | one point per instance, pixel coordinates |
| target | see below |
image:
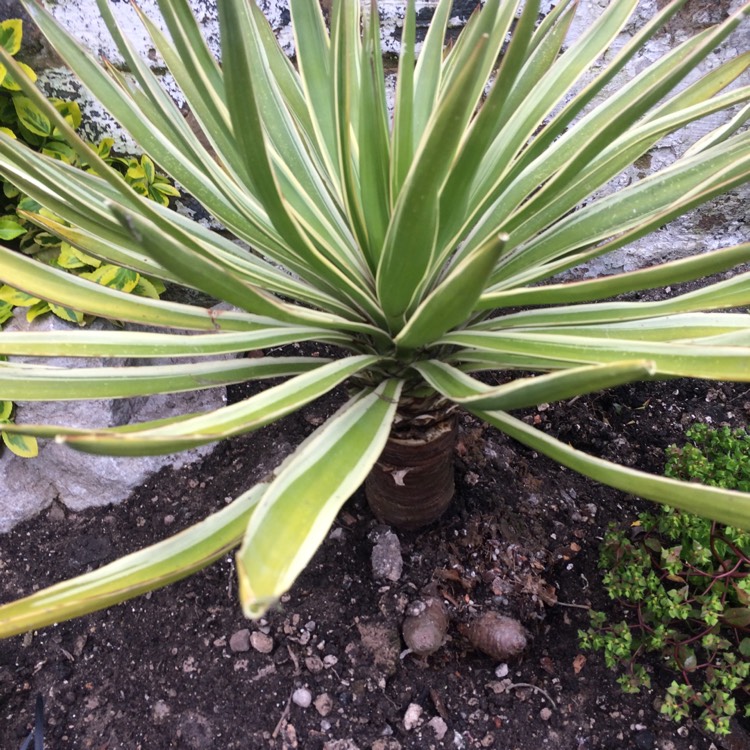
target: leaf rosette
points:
(427, 246)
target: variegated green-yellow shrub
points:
(427, 247)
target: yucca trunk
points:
(412, 483)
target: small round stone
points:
(240, 641)
(261, 642)
(302, 697)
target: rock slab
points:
(79, 480)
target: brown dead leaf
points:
(547, 665)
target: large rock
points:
(79, 480)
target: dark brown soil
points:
(520, 538)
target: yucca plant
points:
(410, 245)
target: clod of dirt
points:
(381, 646)
(426, 625)
(413, 716)
(496, 635)
(387, 561)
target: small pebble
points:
(438, 726)
(412, 716)
(387, 561)
(261, 642)
(330, 660)
(324, 704)
(314, 664)
(240, 641)
(302, 697)
(545, 714)
(501, 670)
(388, 743)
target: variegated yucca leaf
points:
(427, 245)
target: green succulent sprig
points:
(409, 242)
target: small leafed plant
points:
(21, 118)
(409, 244)
(686, 582)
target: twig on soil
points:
(294, 659)
(533, 687)
(571, 604)
(283, 719)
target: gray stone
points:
(387, 561)
(240, 641)
(79, 480)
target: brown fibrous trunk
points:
(412, 484)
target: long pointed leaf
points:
(725, 506)
(77, 293)
(92, 343)
(590, 290)
(39, 383)
(245, 416)
(410, 252)
(301, 503)
(451, 303)
(148, 569)
(681, 360)
(524, 392)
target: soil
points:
(181, 668)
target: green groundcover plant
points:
(408, 244)
(685, 581)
